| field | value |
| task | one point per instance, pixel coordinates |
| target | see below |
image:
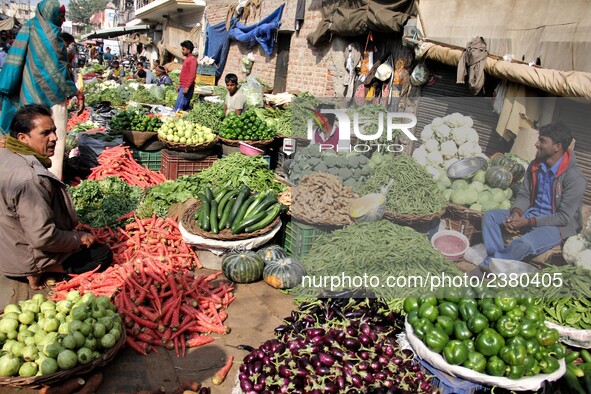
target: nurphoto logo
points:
(394, 121)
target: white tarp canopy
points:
(556, 31)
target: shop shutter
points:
(446, 97)
(574, 114)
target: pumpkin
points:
(509, 163)
(272, 253)
(498, 176)
(243, 267)
(284, 273)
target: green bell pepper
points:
(505, 301)
(427, 299)
(556, 350)
(531, 366)
(475, 361)
(421, 327)
(412, 316)
(513, 355)
(469, 344)
(477, 323)
(507, 327)
(436, 339)
(547, 336)
(495, 366)
(429, 312)
(461, 331)
(453, 294)
(449, 309)
(518, 340)
(455, 352)
(516, 372)
(534, 313)
(411, 304)
(446, 323)
(515, 314)
(549, 364)
(532, 346)
(468, 308)
(491, 311)
(489, 342)
(528, 328)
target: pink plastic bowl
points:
(249, 150)
(452, 244)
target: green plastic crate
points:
(300, 237)
(152, 160)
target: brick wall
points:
(308, 68)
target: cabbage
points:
(459, 184)
(498, 195)
(505, 204)
(485, 197)
(572, 247)
(27, 317)
(7, 325)
(476, 185)
(12, 308)
(489, 206)
(28, 369)
(9, 365)
(470, 196)
(476, 207)
(508, 193)
(458, 196)
(447, 194)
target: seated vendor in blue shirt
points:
(547, 208)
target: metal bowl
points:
(466, 168)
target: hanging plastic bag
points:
(253, 91)
(419, 75)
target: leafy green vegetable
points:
(100, 203)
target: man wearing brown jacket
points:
(37, 216)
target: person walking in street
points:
(38, 218)
(36, 71)
(547, 208)
(187, 77)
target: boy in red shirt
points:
(187, 77)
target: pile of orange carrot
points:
(160, 299)
(76, 119)
(118, 161)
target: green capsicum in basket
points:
(427, 299)
(531, 366)
(475, 361)
(469, 344)
(515, 314)
(506, 301)
(556, 350)
(477, 323)
(449, 309)
(507, 327)
(412, 316)
(446, 324)
(429, 312)
(495, 366)
(515, 371)
(411, 304)
(518, 340)
(534, 313)
(421, 327)
(453, 294)
(491, 311)
(532, 346)
(548, 364)
(461, 331)
(547, 336)
(513, 354)
(455, 352)
(468, 308)
(528, 328)
(489, 342)
(436, 339)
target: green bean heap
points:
(414, 191)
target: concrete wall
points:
(309, 67)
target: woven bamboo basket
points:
(322, 223)
(177, 146)
(406, 219)
(255, 143)
(464, 220)
(61, 376)
(138, 138)
(191, 226)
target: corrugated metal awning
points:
(116, 31)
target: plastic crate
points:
(300, 237)
(205, 79)
(152, 160)
(174, 165)
(206, 70)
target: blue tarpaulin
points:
(217, 43)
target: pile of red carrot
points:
(119, 162)
(77, 119)
(161, 301)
